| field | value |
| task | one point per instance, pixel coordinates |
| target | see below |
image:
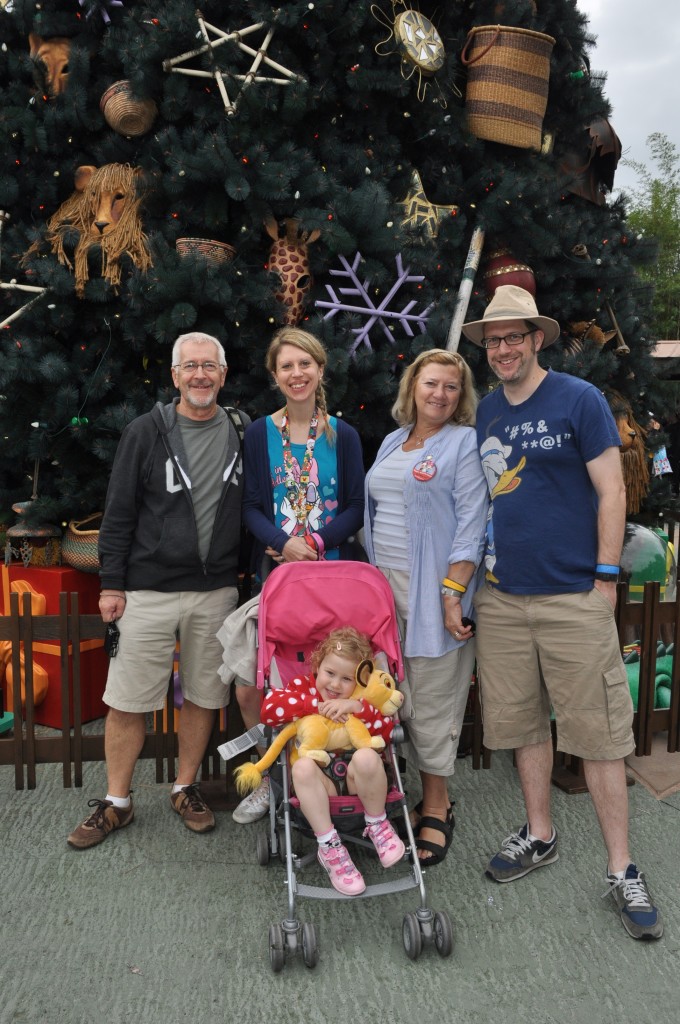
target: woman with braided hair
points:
(303, 494)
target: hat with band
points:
(510, 302)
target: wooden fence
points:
(27, 746)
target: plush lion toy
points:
(317, 735)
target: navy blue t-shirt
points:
(542, 528)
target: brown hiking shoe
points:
(104, 819)
(193, 809)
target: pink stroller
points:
(300, 604)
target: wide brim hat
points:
(510, 302)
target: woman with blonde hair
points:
(424, 527)
(303, 486)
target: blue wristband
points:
(613, 569)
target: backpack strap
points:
(234, 415)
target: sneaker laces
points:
(96, 819)
(259, 795)
(634, 892)
(193, 794)
(516, 845)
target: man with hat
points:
(546, 635)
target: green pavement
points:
(159, 926)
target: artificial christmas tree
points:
(347, 119)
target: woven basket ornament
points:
(207, 249)
(125, 113)
(507, 85)
(79, 543)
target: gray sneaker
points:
(105, 818)
(254, 806)
(639, 916)
(518, 856)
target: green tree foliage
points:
(336, 149)
(655, 213)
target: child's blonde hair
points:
(347, 642)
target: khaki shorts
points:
(149, 630)
(538, 651)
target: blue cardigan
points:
(446, 522)
(258, 509)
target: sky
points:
(641, 58)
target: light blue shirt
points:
(446, 518)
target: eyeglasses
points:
(192, 367)
(516, 338)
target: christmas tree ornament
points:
(621, 347)
(507, 85)
(50, 59)
(13, 286)
(380, 313)
(208, 249)
(289, 258)
(419, 212)
(465, 288)
(104, 211)
(415, 39)
(579, 331)
(590, 167)
(220, 37)
(125, 113)
(100, 6)
(502, 267)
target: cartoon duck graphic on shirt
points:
(501, 479)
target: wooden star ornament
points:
(215, 37)
(419, 212)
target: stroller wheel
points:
(310, 945)
(277, 951)
(263, 849)
(443, 933)
(412, 938)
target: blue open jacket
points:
(258, 508)
(446, 520)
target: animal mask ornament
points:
(104, 211)
(634, 460)
(50, 59)
(289, 258)
(317, 735)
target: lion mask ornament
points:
(50, 60)
(317, 735)
(104, 211)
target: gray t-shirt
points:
(205, 443)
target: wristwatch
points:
(607, 577)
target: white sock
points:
(617, 874)
(176, 788)
(370, 820)
(326, 838)
(119, 801)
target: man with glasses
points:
(546, 635)
(168, 548)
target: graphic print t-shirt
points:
(322, 488)
(542, 529)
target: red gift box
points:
(50, 582)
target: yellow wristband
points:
(452, 585)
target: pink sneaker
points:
(388, 845)
(341, 871)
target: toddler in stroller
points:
(326, 619)
(329, 692)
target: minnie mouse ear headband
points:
(510, 302)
